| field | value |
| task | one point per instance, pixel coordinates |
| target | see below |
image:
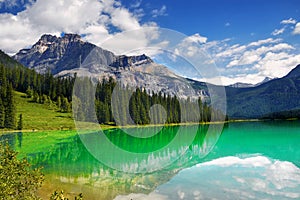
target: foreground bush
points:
(60, 196)
(17, 179)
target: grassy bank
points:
(41, 117)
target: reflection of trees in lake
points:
(11, 138)
(71, 158)
(68, 160)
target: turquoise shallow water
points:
(247, 160)
(257, 160)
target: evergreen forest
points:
(131, 105)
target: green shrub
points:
(60, 196)
(17, 179)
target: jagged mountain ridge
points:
(277, 95)
(69, 54)
(246, 85)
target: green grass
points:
(40, 117)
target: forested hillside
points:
(136, 105)
(139, 102)
(43, 89)
(57, 92)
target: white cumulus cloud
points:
(136, 4)
(65, 15)
(159, 12)
(189, 46)
(288, 21)
(265, 41)
(247, 58)
(124, 20)
(97, 20)
(278, 31)
(255, 55)
(235, 49)
(150, 196)
(252, 62)
(196, 38)
(297, 29)
(16, 33)
(277, 64)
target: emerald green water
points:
(264, 153)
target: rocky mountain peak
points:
(69, 54)
(48, 41)
(129, 61)
(70, 37)
(248, 85)
(47, 38)
(55, 53)
(43, 44)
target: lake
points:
(247, 160)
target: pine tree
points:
(10, 111)
(29, 92)
(3, 82)
(200, 109)
(65, 106)
(20, 122)
(77, 109)
(106, 112)
(59, 103)
(133, 109)
(35, 97)
(124, 103)
(2, 114)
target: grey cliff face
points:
(69, 54)
(55, 53)
(122, 62)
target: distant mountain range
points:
(67, 55)
(277, 95)
(246, 85)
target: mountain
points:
(7, 60)
(267, 79)
(58, 53)
(277, 95)
(69, 54)
(241, 85)
(246, 85)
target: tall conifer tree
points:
(10, 111)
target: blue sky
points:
(218, 19)
(248, 40)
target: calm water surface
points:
(249, 160)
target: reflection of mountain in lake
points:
(69, 166)
(70, 163)
(254, 177)
(252, 160)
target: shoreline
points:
(108, 127)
